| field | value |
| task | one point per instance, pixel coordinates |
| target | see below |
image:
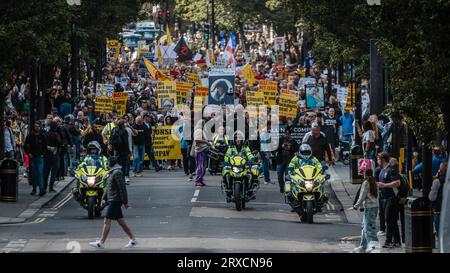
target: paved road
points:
(168, 214)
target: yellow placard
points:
(120, 102)
(194, 78)
(247, 72)
(201, 91)
(165, 145)
(270, 91)
(167, 94)
(351, 97)
(114, 45)
(255, 98)
(288, 106)
(290, 93)
(183, 90)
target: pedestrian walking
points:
(200, 147)
(435, 195)
(35, 146)
(10, 142)
(113, 199)
(52, 156)
(139, 146)
(368, 199)
(120, 144)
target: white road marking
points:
(69, 195)
(196, 193)
(65, 201)
(14, 246)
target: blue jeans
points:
(369, 227)
(37, 170)
(138, 154)
(265, 166)
(281, 172)
(436, 222)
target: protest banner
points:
(103, 98)
(194, 78)
(165, 145)
(120, 102)
(167, 94)
(342, 93)
(201, 91)
(351, 96)
(255, 99)
(183, 90)
(279, 44)
(289, 92)
(288, 106)
(221, 86)
(270, 91)
(113, 46)
(314, 96)
(298, 132)
(304, 81)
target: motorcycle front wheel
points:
(92, 202)
(309, 213)
(237, 196)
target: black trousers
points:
(391, 210)
(188, 161)
(151, 156)
(401, 209)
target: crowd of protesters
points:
(50, 148)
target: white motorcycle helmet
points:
(305, 151)
(94, 148)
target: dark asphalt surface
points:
(168, 214)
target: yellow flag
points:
(155, 72)
(247, 72)
(160, 58)
(168, 36)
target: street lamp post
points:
(74, 53)
(213, 22)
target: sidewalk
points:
(27, 205)
(346, 193)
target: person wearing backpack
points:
(120, 145)
(435, 195)
(388, 179)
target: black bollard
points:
(9, 177)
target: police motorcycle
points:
(91, 177)
(305, 186)
(241, 177)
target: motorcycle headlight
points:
(83, 178)
(91, 181)
(309, 185)
(98, 179)
(237, 169)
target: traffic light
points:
(160, 15)
(168, 16)
(206, 28)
